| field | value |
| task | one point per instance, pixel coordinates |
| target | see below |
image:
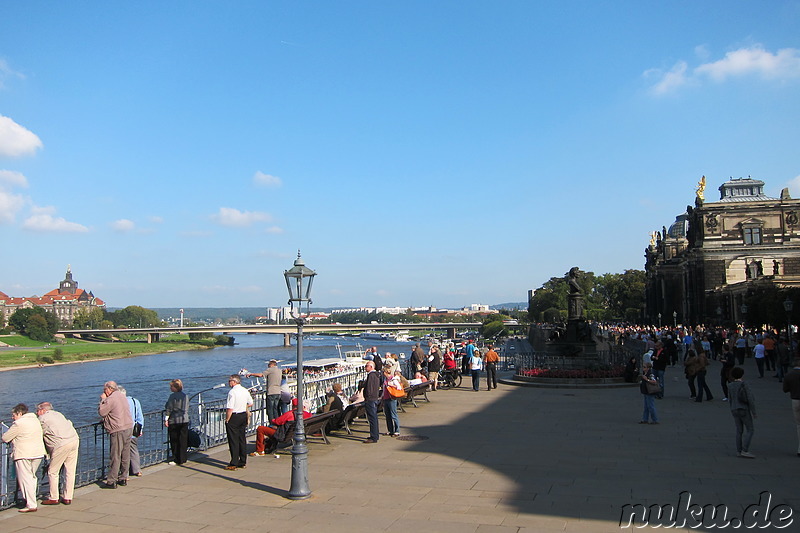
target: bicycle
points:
(448, 379)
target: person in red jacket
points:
(265, 435)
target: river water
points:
(74, 389)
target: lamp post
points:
(298, 281)
(788, 305)
(744, 315)
(675, 319)
(659, 320)
(719, 315)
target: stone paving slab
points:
(514, 459)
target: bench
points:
(351, 412)
(420, 389)
(314, 424)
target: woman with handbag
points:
(649, 388)
(392, 392)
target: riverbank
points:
(23, 353)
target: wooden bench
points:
(421, 389)
(314, 424)
(351, 412)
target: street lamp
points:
(788, 305)
(659, 320)
(744, 315)
(675, 319)
(298, 281)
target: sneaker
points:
(257, 454)
(171, 463)
(724, 399)
(747, 455)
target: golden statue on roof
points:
(701, 188)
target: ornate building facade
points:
(63, 302)
(702, 268)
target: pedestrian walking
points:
(743, 409)
(649, 412)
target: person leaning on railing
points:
(176, 419)
(62, 443)
(26, 436)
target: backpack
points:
(742, 396)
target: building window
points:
(752, 235)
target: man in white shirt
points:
(237, 417)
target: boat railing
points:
(207, 421)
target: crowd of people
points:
(693, 350)
(47, 432)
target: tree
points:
(605, 297)
(34, 321)
(134, 316)
(88, 318)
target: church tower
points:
(68, 285)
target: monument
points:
(572, 347)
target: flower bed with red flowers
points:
(583, 373)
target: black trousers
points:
(178, 441)
(491, 376)
(237, 441)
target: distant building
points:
(701, 269)
(63, 302)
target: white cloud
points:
(123, 225)
(668, 81)
(265, 180)
(275, 230)
(10, 204)
(752, 61)
(7, 72)
(12, 178)
(155, 219)
(42, 219)
(228, 216)
(15, 140)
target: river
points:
(74, 389)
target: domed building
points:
(702, 268)
(63, 302)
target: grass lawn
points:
(80, 350)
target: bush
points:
(224, 340)
(58, 354)
(44, 359)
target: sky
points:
(416, 153)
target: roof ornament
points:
(701, 189)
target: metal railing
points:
(207, 420)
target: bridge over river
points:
(154, 333)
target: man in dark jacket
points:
(660, 360)
(372, 397)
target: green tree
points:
(89, 318)
(134, 316)
(43, 323)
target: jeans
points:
(744, 424)
(390, 412)
(692, 389)
(476, 379)
(649, 408)
(702, 386)
(760, 365)
(273, 406)
(659, 375)
(371, 407)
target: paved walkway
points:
(508, 460)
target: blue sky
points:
(417, 153)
